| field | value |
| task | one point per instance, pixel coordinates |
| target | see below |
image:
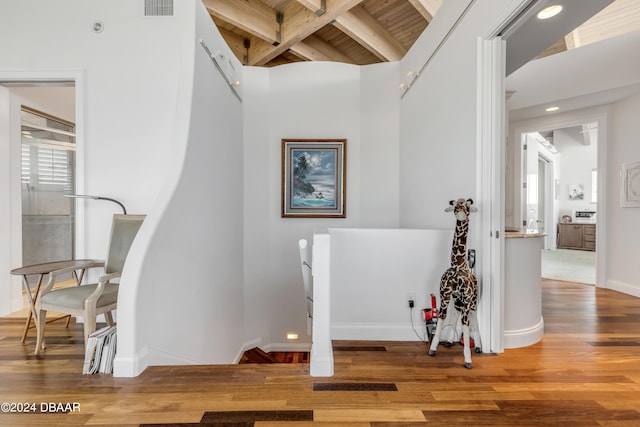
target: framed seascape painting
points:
(314, 178)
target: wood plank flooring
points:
(585, 372)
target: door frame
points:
(10, 286)
(600, 115)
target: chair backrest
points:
(123, 230)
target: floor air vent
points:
(158, 7)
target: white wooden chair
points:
(307, 279)
(91, 300)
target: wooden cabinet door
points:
(570, 236)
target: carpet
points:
(569, 265)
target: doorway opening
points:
(48, 145)
(53, 116)
(560, 173)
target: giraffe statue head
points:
(461, 208)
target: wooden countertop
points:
(523, 233)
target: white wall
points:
(438, 114)
(438, 126)
(310, 100)
(58, 101)
(374, 272)
(127, 76)
(623, 224)
(379, 154)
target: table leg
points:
(78, 280)
(32, 303)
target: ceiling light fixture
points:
(551, 109)
(549, 12)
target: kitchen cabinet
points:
(577, 236)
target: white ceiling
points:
(528, 36)
(596, 74)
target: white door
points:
(492, 118)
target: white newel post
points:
(321, 349)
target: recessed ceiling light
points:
(551, 109)
(549, 12)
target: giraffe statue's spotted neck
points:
(459, 247)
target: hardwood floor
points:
(586, 372)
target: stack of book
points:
(100, 351)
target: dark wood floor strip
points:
(615, 344)
(252, 416)
(354, 387)
(191, 425)
(359, 348)
(257, 355)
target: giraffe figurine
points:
(458, 285)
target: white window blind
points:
(48, 153)
(26, 164)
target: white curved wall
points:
(623, 224)
(187, 306)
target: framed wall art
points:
(630, 185)
(314, 175)
(576, 192)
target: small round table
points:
(42, 270)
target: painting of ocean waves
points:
(324, 196)
(315, 180)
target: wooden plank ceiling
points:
(274, 32)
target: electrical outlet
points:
(411, 298)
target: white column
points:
(321, 349)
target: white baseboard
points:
(134, 366)
(246, 346)
(286, 346)
(372, 332)
(625, 288)
(130, 366)
(524, 337)
(321, 364)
